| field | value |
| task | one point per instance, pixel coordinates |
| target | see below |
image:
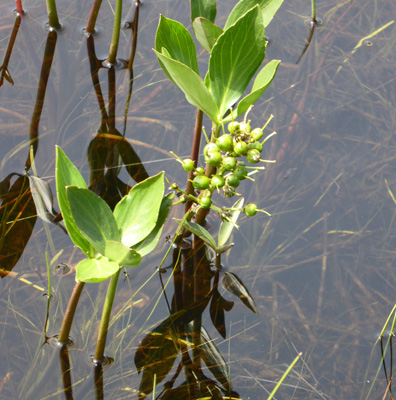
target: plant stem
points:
(19, 7)
(69, 314)
(194, 153)
(313, 7)
(52, 14)
(116, 33)
(104, 323)
(93, 15)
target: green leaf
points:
(235, 58)
(222, 249)
(68, 175)
(203, 8)
(200, 231)
(122, 255)
(137, 213)
(147, 245)
(261, 83)
(206, 32)
(235, 286)
(176, 39)
(226, 227)
(268, 9)
(93, 218)
(191, 84)
(93, 270)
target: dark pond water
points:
(321, 269)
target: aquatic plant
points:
(110, 240)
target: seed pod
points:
(213, 158)
(224, 142)
(233, 127)
(253, 156)
(240, 172)
(188, 165)
(201, 182)
(229, 163)
(256, 134)
(217, 181)
(233, 181)
(209, 148)
(245, 127)
(199, 171)
(250, 209)
(256, 145)
(240, 148)
(206, 202)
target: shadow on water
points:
(321, 269)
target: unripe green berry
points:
(230, 191)
(213, 158)
(224, 142)
(188, 165)
(250, 210)
(240, 172)
(233, 127)
(199, 171)
(201, 182)
(217, 181)
(229, 163)
(245, 127)
(240, 148)
(253, 156)
(174, 186)
(256, 145)
(209, 148)
(206, 202)
(233, 181)
(256, 134)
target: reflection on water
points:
(321, 270)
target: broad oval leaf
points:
(200, 231)
(235, 58)
(227, 226)
(68, 175)
(176, 39)
(203, 8)
(235, 286)
(260, 85)
(122, 255)
(148, 244)
(137, 213)
(94, 270)
(93, 218)
(206, 32)
(268, 9)
(192, 86)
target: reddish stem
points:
(19, 7)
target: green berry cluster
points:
(228, 155)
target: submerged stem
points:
(116, 33)
(104, 323)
